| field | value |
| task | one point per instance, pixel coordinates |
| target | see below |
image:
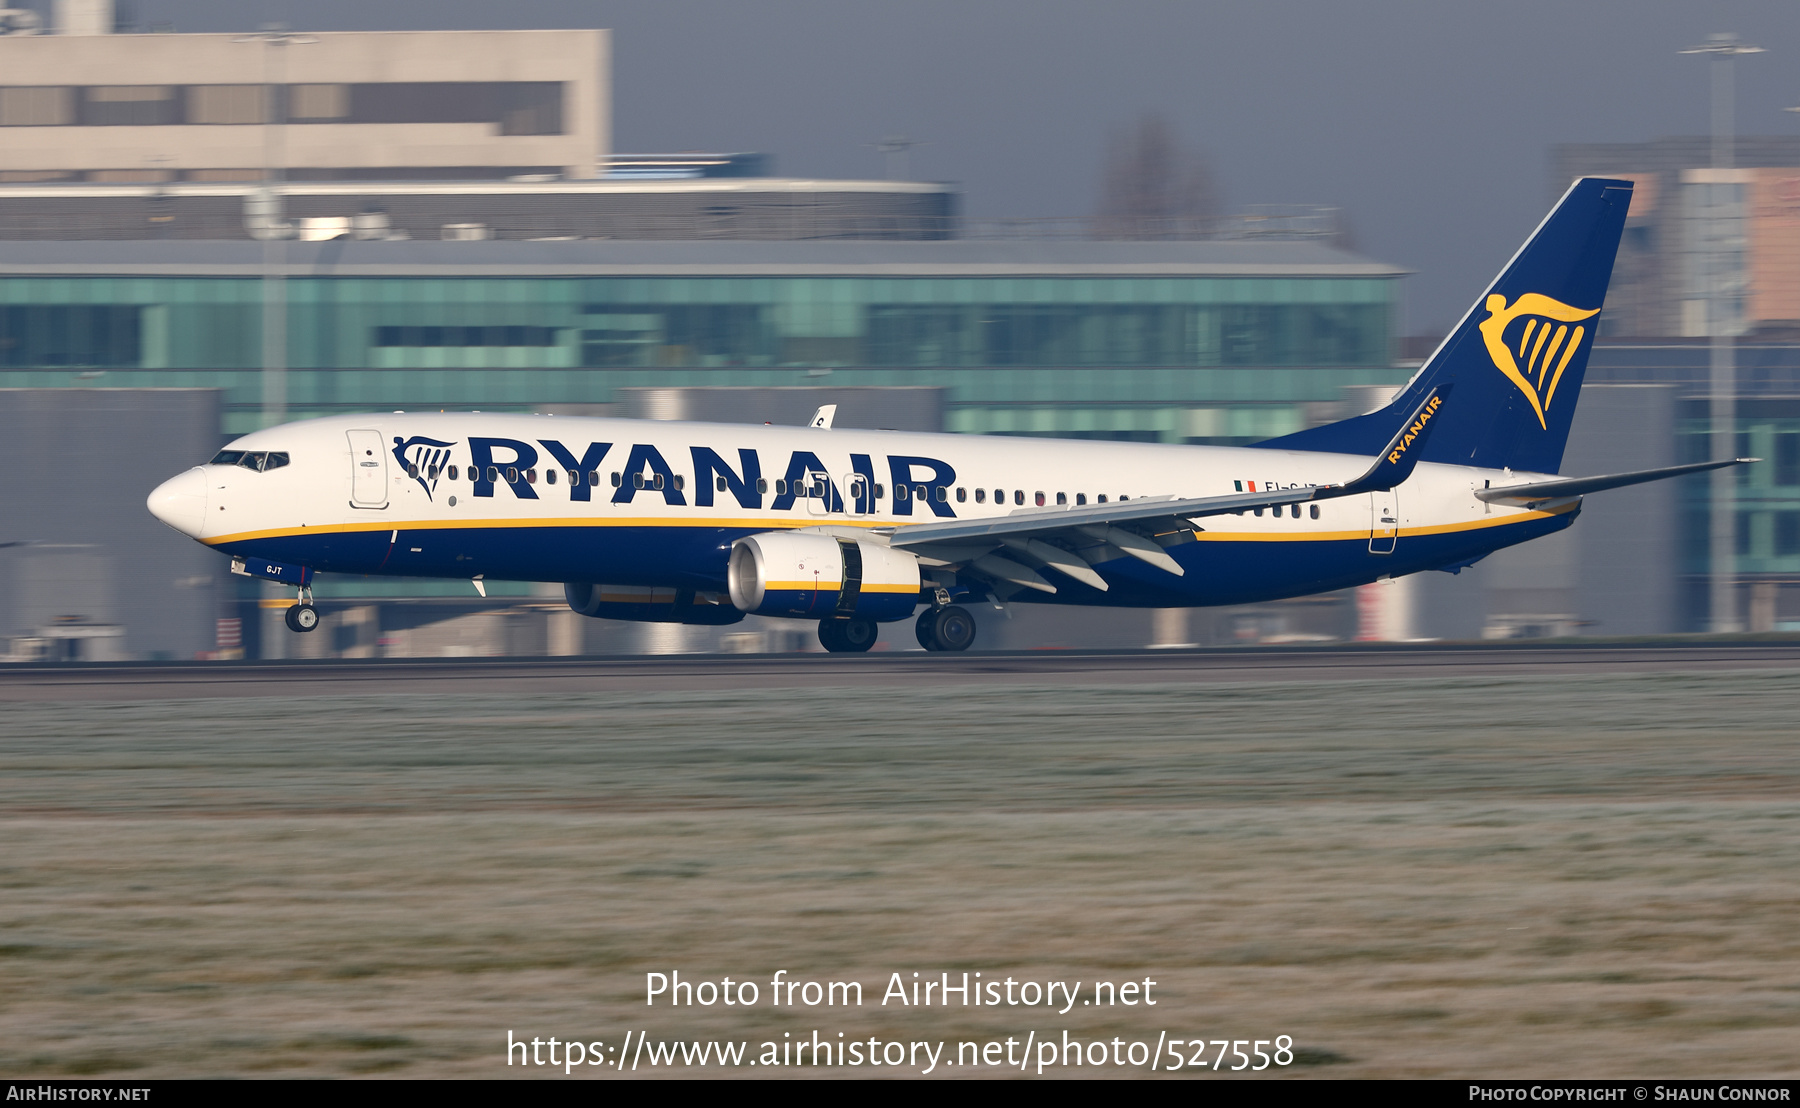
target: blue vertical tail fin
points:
(1517, 357)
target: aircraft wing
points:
(1073, 539)
(1536, 491)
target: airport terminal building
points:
(1170, 341)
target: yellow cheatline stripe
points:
(822, 586)
(1351, 536)
(791, 525)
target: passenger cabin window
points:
(899, 492)
(1315, 511)
(780, 486)
(719, 484)
(1039, 498)
(1018, 496)
(593, 477)
(512, 475)
(1101, 498)
(981, 496)
(1080, 499)
(549, 477)
(615, 479)
(880, 490)
(412, 469)
(940, 494)
(531, 477)
(762, 485)
(962, 494)
(452, 473)
(1062, 498)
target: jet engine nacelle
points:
(648, 605)
(781, 573)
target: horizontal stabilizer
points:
(1536, 491)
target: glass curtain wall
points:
(1159, 358)
(547, 323)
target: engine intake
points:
(813, 576)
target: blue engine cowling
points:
(814, 576)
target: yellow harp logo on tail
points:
(1545, 344)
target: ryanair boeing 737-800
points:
(703, 523)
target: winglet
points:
(823, 417)
(1398, 460)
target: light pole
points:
(896, 148)
(1724, 50)
(269, 221)
(269, 224)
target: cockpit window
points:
(258, 460)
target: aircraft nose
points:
(180, 502)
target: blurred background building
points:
(446, 226)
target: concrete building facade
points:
(350, 105)
(1694, 229)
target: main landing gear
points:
(302, 616)
(848, 636)
(946, 628)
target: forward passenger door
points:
(368, 470)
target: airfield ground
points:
(1449, 872)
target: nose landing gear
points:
(302, 616)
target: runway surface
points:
(701, 672)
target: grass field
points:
(1577, 877)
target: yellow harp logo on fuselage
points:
(1546, 344)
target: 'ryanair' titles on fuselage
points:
(513, 463)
